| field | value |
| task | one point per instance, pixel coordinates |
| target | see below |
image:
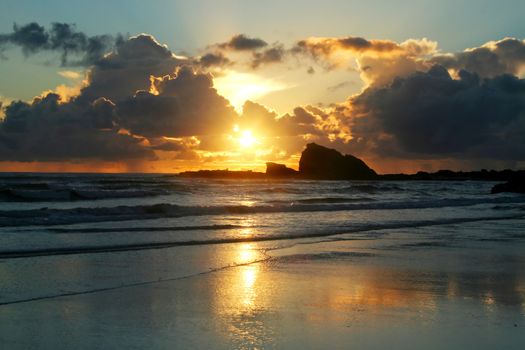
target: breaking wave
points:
(49, 216)
(327, 232)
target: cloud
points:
(324, 47)
(141, 101)
(128, 69)
(69, 74)
(242, 42)
(380, 61)
(62, 38)
(274, 54)
(377, 61)
(430, 114)
(47, 130)
(240, 87)
(261, 53)
(506, 56)
(179, 105)
(380, 71)
(339, 86)
(137, 101)
(214, 59)
(4, 101)
(66, 92)
(283, 134)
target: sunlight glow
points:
(247, 140)
(240, 87)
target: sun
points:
(246, 139)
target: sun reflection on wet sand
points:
(246, 253)
(243, 299)
(315, 294)
(324, 292)
(249, 275)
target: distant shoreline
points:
(441, 175)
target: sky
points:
(167, 86)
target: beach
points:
(369, 265)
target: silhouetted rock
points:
(318, 162)
(280, 170)
(324, 163)
(516, 186)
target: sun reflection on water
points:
(246, 203)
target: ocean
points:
(47, 214)
(152, 249)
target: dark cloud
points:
(261, 52)
(47, 130)
(242, 42)
(361, 44)
(380, 61)
(138, 100)
(432, 115)
(506, 56)
(127, 70)
(274, 54)
(184, 104)
(62, 38)
(214, 59)
(169, 147)
(135, 97)
(141, 101)
(319, 47)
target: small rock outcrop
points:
(515, 186)
(280, 170)
(319, 162)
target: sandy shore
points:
(422, 288)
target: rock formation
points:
(516, 185)
(280, 170)
(319, 162)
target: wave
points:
(371, 188)
(150, 229)
(26, 253)
(63, 195)
(285, 190)
(48, 216)
(333, 255)
(323, 200)
(27, 186)
(329, 200)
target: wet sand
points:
(439, 287)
